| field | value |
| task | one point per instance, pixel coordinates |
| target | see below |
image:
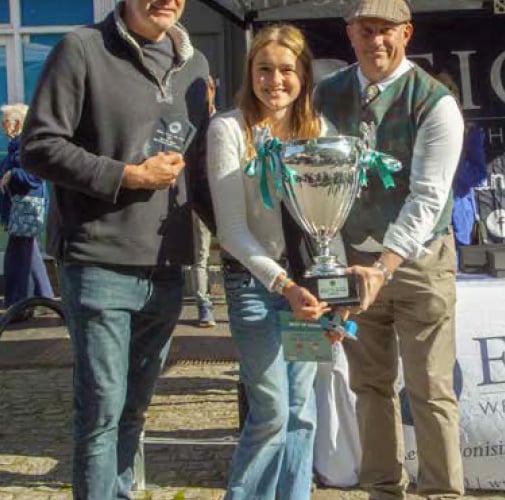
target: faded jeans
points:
(200, 270)
(25, 271)
(273, 459)
(120, 321)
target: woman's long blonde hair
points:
(304, 122)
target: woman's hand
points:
(303, 304)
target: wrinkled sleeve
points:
(48, 148)
(228, 196)
(437, 150)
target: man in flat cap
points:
(399, 242)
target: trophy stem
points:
(323, 245)
(324, 262)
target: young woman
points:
(274, 455)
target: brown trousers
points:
(412, 317)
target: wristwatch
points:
(388, 275)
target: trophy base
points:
(335, 289)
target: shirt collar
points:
(404, 66)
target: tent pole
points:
(249, 18)
(249, 34)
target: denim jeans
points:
(273, 459)
(25, 271)
(120, 322)
(200, 270)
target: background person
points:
(402, 247)
(471, 173)
(24, 269)
(113, 103)
(203, 238)
(274, 455)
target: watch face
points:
(170, 134)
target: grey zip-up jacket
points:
(98, 107)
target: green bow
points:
(268, 164)
(384, 164)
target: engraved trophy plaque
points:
(323, 183)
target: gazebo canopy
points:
(245, 11)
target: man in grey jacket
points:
(118, 125)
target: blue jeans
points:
(273, 459)
(200, 269)
(120, 322)
(25, 271)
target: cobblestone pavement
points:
(191, 400)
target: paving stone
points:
(192, 400)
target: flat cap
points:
(396, 11)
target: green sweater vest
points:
(398, 112)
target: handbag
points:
(26, 216)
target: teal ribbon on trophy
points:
(384, 164)
(268, 165)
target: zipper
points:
(163, 85)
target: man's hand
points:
(304, 305)
(157, 172)
(371, 281)
(5, 180)
(373, 278)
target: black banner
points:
(466, 44)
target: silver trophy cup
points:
(321, 187)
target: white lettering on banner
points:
(496, 81)
(464, 57)
(493, 134)
(466, 78)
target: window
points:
(4, 12)
(56, 12)
(3, 97)
(36, 48)
(29, 29)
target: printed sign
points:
(479, 383)
(304, 341)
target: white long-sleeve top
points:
(246, 229)
(436, 155)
